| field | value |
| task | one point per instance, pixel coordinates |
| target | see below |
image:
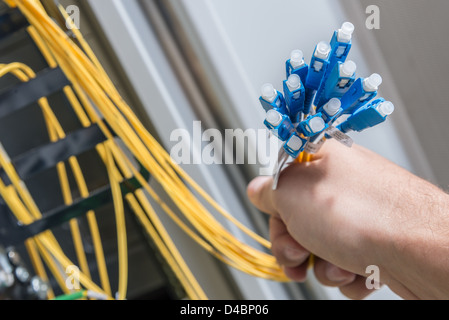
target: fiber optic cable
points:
(48, 113)
(92, 221)
(91, 83)
(56, 133)
(46, 240)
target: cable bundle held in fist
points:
(323, 100)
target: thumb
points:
(260, 193)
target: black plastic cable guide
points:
(46, 83)
(48, 156)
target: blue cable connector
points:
(294, 93)
(332, 110)
(272, 99)
(279, 124)
(360, 93)
(338, 83)
(318, 65)
(341, 44)
(317, 96)
(295, 145)
(317, 69)
(313, 126)
(368, 116)
(297, 65)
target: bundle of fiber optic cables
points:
(96, 101)
(323, 100)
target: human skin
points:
(352, 209)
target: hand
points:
(352, 209)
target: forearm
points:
(417, 241)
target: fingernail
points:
(336, 274)
(295, 254)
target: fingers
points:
(289, 253)
(351, 285)
(332, 276)
(260, 193)
(294, 259)
(356, 290)
(297, 274)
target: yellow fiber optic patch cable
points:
(91, 84)
(24, 73)
(91, 218)
(196, 294)
(133, 136)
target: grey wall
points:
(413, 37)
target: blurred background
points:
(177, 61)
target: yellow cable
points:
(55, 133)
(88, 77)
(120, 221)
(30, 244)
(38, 266)
(184, 274)
(192, 288)
(10, 3)
(83, 188)
(44, 241)
(91, 218)
(21, 188)
(10, 196)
